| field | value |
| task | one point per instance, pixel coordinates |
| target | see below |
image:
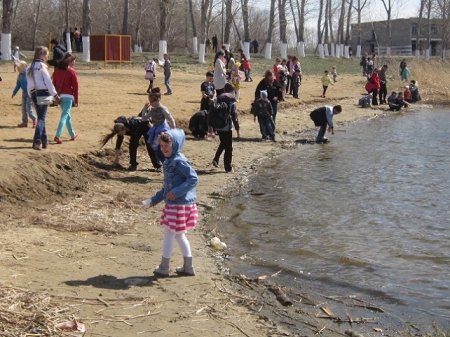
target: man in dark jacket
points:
(273, 88)
(58, 52)
(226, 133)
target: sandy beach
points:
(74, 231)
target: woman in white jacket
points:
(39, 79)
(220, 72)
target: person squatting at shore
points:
(27, 110)
(180, 211)
(323, 117)
(135, 127)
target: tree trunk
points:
(271, 21)
(419, 26)
(325, 29)
(228, 21)
(15, 12)
(340, 37)
(86, 30)
(282, 20)
(429, 28)
(319, 23)
(6, 29)
(349, 18)
(137, 30)
(330, 21)
(294, 19)
(36, 22)
(388, 8)
(191, 13)
(67, 29)
(244, 4)
(126, 9)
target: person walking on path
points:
(326, 81)
(65, 80)
(323, 117)
(150, 73)
(180, 211)
(226, 133)
(220, 72)
(27, 110)
(39, 81)
(167, 74)
(58, 52)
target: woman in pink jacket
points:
(373, 85)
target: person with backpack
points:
(323, 117)
(222, 116)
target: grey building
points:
(375, 36)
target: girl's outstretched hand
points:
(171, 196)
(147, 203)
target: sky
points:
(373, 12)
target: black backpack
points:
(219, 115)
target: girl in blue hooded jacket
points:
(178, 192)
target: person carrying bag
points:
(42, 93)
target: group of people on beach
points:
(164, 142)
(41, 89)
(377, 88)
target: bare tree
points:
(294, 19)
(419, 27)
(126, 9)
(330, 20)
(36, 21)
(359, 6)
(228, 21)
(388, 8)
(349, 18)
(271, 21)
(137, 30)
(8, 6)
(429, 27)
(340, 32)
(301, 19)
(86, 30)
(319, 23)
(191, 14)
(67, 25)
(282, 20)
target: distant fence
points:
(110, 48)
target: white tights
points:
(169, 240)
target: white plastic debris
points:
(216, 244)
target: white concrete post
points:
(86, 48)
(268, 51)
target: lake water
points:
(368, 211)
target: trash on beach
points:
(281, 296)
(353, 333)
(71, 326)
(216, 244)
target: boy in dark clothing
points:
(58, 52)
(207, 88)
(226, 133)
(323, 117)
(262, 110)
(198, 124)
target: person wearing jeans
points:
(38, 78)
(167, 73)
(323, 117)
(226, 133)
(66, 81)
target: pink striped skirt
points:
(179, 218)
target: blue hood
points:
(178, 139)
